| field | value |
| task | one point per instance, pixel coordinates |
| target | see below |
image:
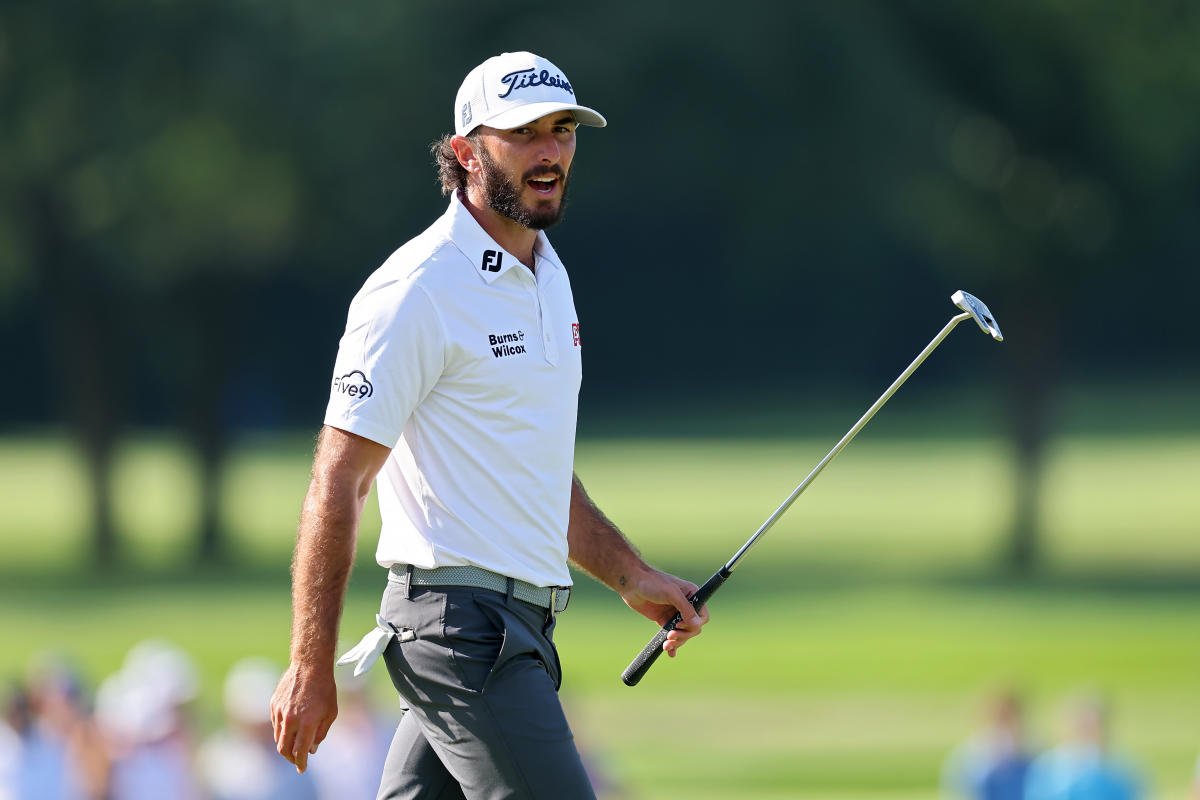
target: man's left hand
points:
(659, 596)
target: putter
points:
(972, 308)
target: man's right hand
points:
(302, 709)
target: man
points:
(456, 384)
(993, 762)
(1083, 765)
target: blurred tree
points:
(49, 139)
(79, 313)
(219, 205)
(145, 160)
(1063, 155)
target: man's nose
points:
(549, 151)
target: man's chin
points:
(544, 214)
(535, 213)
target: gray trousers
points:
(480, 676)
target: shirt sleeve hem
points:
(368, 429)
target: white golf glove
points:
(364, 654)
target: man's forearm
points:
(321, 569)
(597, 546)
(305, 701)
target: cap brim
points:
(522, 115)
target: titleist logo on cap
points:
(525, 78)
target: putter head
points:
(979, 312)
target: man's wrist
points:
(313, 660)
(628, 580)
(308, 668)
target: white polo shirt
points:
(468, 366)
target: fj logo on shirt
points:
(575, 334)
(492, 259)
(507, 344)
(354, 384)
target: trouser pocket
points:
(477, 633)
(488, 635)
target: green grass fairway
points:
(844, 660)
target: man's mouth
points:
(544, 184)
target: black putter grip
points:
(653, 649)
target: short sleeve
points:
(390, 357)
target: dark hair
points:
(451, 174)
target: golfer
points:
(455, 390)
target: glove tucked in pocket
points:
(364, 654)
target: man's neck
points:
(511, 235)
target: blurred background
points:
(763, 237)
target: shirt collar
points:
(488, 258)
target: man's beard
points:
(504, 197)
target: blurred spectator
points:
(143, 712)
(1082, 767)
(52, 752)
(239, 762)
(10, 748)
(992, 764)
(350, 760)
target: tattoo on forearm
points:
(621, 580)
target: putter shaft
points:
(845, 440)
(972, 308)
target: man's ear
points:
(464, 150)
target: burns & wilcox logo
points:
(354, 384)
(526, 78)
(507, 344)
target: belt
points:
(552, 598)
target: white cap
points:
(512, 89)
(248, 689)
(166, 667)
(140, 703)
